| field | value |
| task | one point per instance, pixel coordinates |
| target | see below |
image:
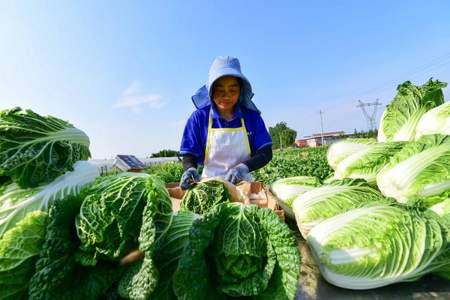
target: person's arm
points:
(261, 158)
(189, 161)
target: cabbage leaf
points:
(16, 203)
(419, 172)
(35, 149)
(400, 118)
(319, 204)
(19, 251)
(238, 250)
(379, 245)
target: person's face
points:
(226, 93)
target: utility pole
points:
(321, 124)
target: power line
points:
(437, 62)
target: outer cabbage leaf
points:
(203, 196)
(16, 203)
(375, 246)
(19, 251)
(421, 170)
(168, 251)
(287, 189)
(435, 121)
(324, 202)
(443, 210)
(400, 118)
(58, 275)
(119, 214)
(340, 150)
(238, 250)
(140, 280)
(366, 163)
(35, 149)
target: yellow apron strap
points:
(208, 139)
(246, 138)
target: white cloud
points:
(135, 99)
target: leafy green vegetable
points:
(420, 170)
(366, 163)
(295, 162)
(400, 118)
(19, 251)
(58, 275)
(169, 172)
(435, 121)
(287, 189)
(203, 196)
(375, 246)
(238, 250)
(339, 151)
(140, 280)
(111, 215)
(319, 204)
(16, 203)
(119, 214)
(442, 209)
(35, 150)
(168, 250)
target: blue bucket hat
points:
(225, 66)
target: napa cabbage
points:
(375, 246)
(319, 204)
(35, 149)
(287, 189)
(340, 150)
(400, 118)
(419, 172)
(16, 203)
(366, 163)
(435, 121)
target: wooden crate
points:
(250, 193)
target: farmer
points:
(226, 133)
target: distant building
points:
(315, 139)
(128, 163)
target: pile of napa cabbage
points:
(383, 217)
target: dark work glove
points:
(189, 177)
(237, 174)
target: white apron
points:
(225, 149)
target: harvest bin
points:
(251, 193)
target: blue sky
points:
(124, 71)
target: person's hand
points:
(189, 177)
(237, 174)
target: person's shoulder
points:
(251, 114)
(200, 114)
